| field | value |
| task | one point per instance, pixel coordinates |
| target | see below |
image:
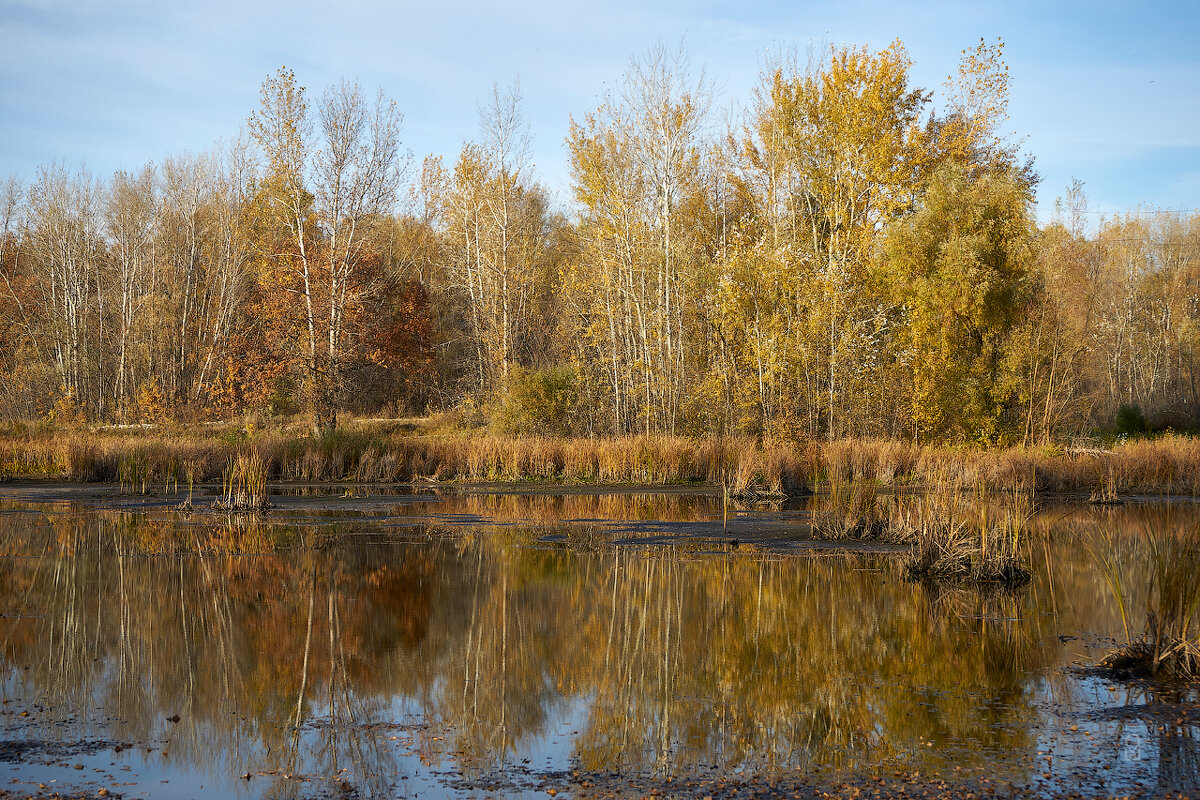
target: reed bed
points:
(957, 533)
(145, 460)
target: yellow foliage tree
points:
(960, 270)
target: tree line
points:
(847, 258)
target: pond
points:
(532, 643)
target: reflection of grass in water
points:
(1010, 647)
(134, 534)
(1161, 560)
(551, 508)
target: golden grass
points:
(144, 459)
(854, 510)
(957, 533)
(967, 534)
(244, 484)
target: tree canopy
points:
(854, 256)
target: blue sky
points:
(1105, 92)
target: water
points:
(506, 644)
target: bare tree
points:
(636, 164)
(12, 210)
(498, 222)
(355, 174)
(64, 218)
(187, 189)
(228, 256)
(130, 214)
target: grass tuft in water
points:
(1159, 562)
(854, 511)
(977, 535)
(244, 484)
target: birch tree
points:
(130, 216)
(227, 259)
(636, 170)
(357, 175)
(498, 226)
(64, 216)
(354, 168)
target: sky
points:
(1104, 92)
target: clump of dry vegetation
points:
(957, 533)
(244, 484)
(975, 535)
(853, 511)
(1158, 563)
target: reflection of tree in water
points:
(210, 638)
(492, 690)
(764, 664)
(1177, 745)
(290, 660)
(549, 509)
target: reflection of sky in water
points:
(475, 657)
(1123, 740)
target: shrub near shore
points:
(387, 452)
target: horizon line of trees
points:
(849, 259)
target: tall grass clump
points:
(1158, 563)
(853, 510)
(976, 534)
(747, 470)
(885, 461)
(244, 484)
(1104, 488)
(80, 459)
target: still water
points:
(513, 644)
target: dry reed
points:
(142, 460)
(1159, 561)
(854, 510)
(957, 534)
(244, 484)
(976, 535)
